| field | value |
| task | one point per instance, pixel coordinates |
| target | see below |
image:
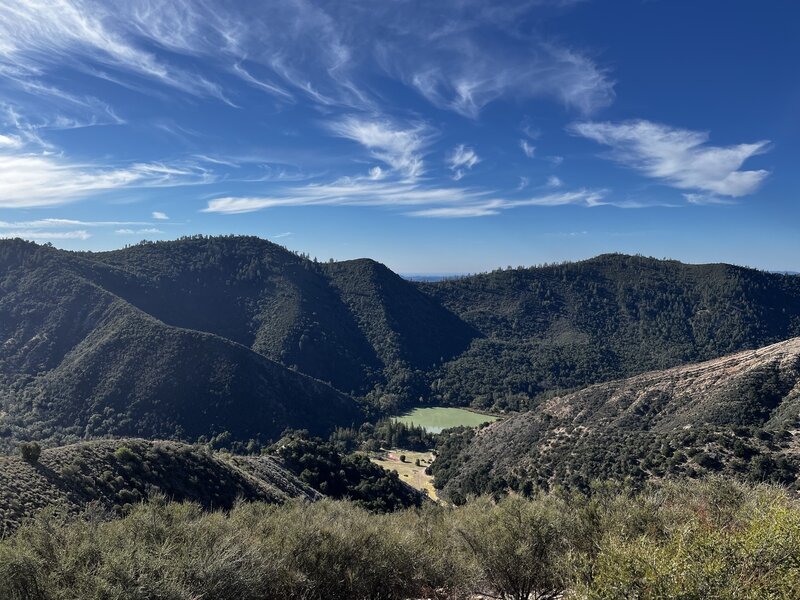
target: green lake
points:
(435, 419)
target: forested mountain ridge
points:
(354, 324)
(565, 326)
(736, 415)
(202, 335)
(79, 361)
(410, 332)
(253, 292)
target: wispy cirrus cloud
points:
(456, 53)
(495, 206)
(61, 223)
(36, 173)
(413, 198)
(399, 147)
(707, 199)
(268, 86)
(54, 108)
(465, 72)
(485, 209)
(528, 149)
(87, 36)
(185, 45)
(30, 180)
(37, 235)
(359, 191)
(680, 158)
(145, 231)
(462, 159)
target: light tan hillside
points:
(738, 415)
(694, 390)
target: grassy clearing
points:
(436, 419)
(432, 420)
(409, 472)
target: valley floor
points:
(410, 472)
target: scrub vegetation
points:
(711, 539)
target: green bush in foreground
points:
(712, 539)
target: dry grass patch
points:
(409, 471)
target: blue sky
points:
(437, 137)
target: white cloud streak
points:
(486, 209)
(347, 192)
(160, 216)
(30, 180)
(58, 223)
(146, 231)
(35, 235)
(414, 198)
(400, 148)
(707, 199)
(589, 198)
(680, 158)
(267, 86)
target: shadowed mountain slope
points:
(252, 292)
(352, 324)
(410, 332)
(79, 361)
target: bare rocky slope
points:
(739, 414)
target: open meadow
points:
(437, 419)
